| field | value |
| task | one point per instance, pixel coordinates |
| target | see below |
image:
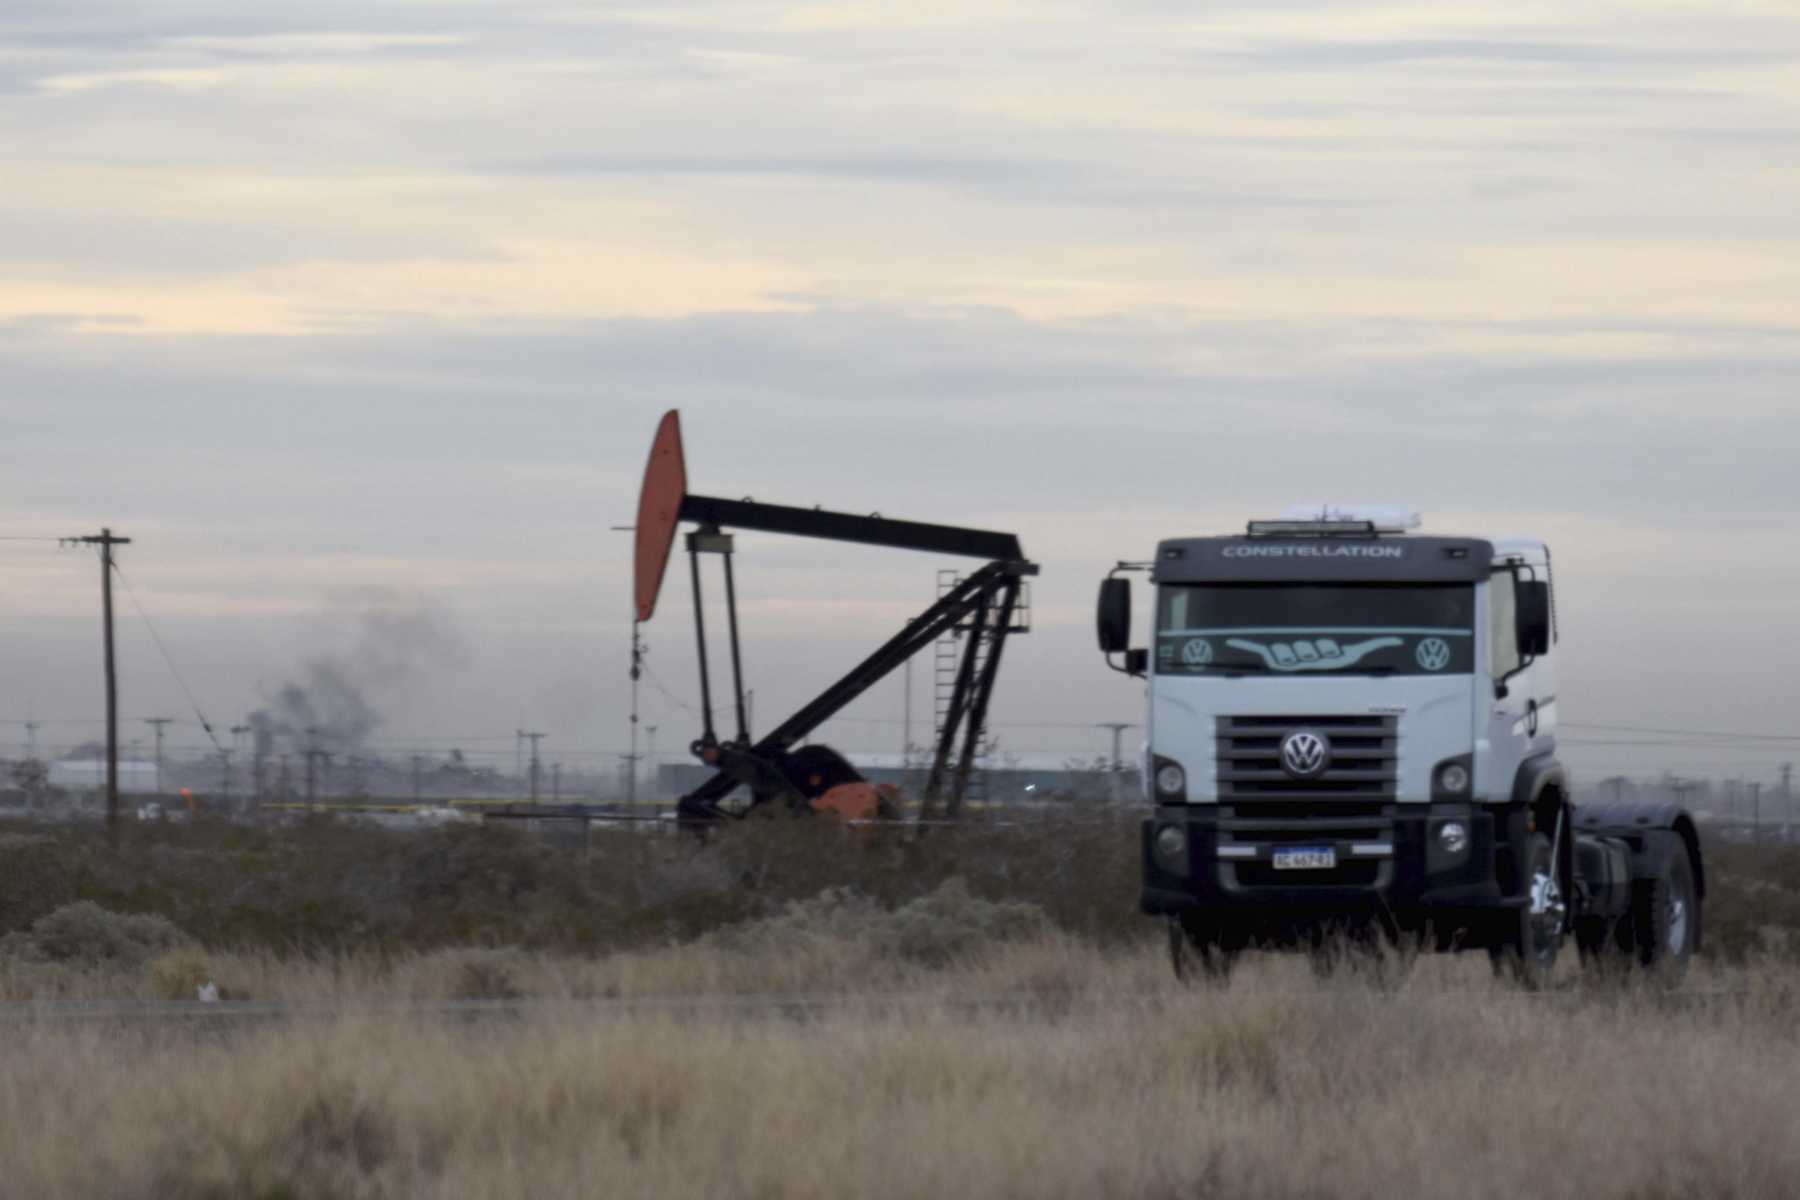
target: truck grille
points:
(1356, 873)
(1365, 758)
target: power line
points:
(170, 662)
(671, 697)
(1735, 735)
(1680, 743)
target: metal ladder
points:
(946, 658)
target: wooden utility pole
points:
(1117, 766)
(157, 723)
(651, 730)
(106, 541)
(1787, 798)
(535, 738)
(637, 669)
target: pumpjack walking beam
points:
(971, 605)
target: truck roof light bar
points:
(1387, 518)
(1312, 529)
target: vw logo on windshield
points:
(1305, 754)
(1433, 654)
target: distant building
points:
(89, 775)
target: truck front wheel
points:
(1530, 939)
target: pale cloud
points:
(520, 281)
(340, 295)
(1059, 164)
(277, 45)
(179, 79)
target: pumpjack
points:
(779, 768)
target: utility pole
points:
(157, 723)
(312, 769)
(535, 739)
(906, 720)
(637, 670)
(651, 730)
(1118, 731)
(237, 745)
(1787, 802)
(225, 775)
(31, 728)
(106, 541)
(1118, 764)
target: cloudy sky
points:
(353, 312)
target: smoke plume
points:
(333, 703)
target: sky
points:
(358, 318)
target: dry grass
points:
(1018, 1035)
(1099, 1077)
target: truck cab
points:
(1351, 723)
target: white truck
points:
(1352, 727)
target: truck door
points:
(1509, 732)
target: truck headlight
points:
(1453, 836)
(1171, 844)
(1171, 780)
(1453, 779)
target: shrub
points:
(485, 975)
(943, 925)
(86, 934)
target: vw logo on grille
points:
(1305, 754)
(1433, 654)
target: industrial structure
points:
(985, 607)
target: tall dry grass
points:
(1085, 1073)
(784, 1014)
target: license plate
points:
(1306, 858)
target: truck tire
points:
(1530, 937)
(1201, 950)
(1665, 918)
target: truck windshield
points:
(1290, 628)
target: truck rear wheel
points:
(1530, 938)
(1665, 917)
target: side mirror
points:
(1137, 662)
(1533, 617)
(1112, 617)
